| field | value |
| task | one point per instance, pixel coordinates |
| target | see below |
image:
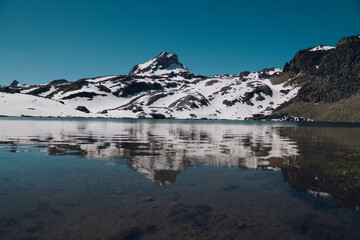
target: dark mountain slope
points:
(330, 81)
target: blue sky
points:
(43, 40)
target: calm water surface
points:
(161, 179)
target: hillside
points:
(330, 83)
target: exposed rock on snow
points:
(83, 109)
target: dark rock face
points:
(338, 76)
(14, 83)
(171, 85)
(83, 109)
(230, 103)
(40, 90)
(163, 61)
(330, 75)
(157, 116)
(266, 90)
(305, 61)
(190, 75)
(83, 95)
(348, 40)
(58, 81)
(59, 84)
(331, 79)
(74, 85)
(211, 82)
(9, 89)
(344, 61)
(244, 74)
(102, 88)
(190, 102)
(138, 87)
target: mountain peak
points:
(349, 40)
(164, 63)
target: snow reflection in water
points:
(156, 147)
(70, 179)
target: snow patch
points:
(321, 48)
(318, 193)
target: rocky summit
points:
(321, 83)
(164, 63)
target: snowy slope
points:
(26, 105)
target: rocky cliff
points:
(329, 80)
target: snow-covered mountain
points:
(160, 88)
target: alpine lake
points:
(178, 179)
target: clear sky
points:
(43, 40)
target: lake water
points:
(170, 179)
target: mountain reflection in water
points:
(316, 159)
